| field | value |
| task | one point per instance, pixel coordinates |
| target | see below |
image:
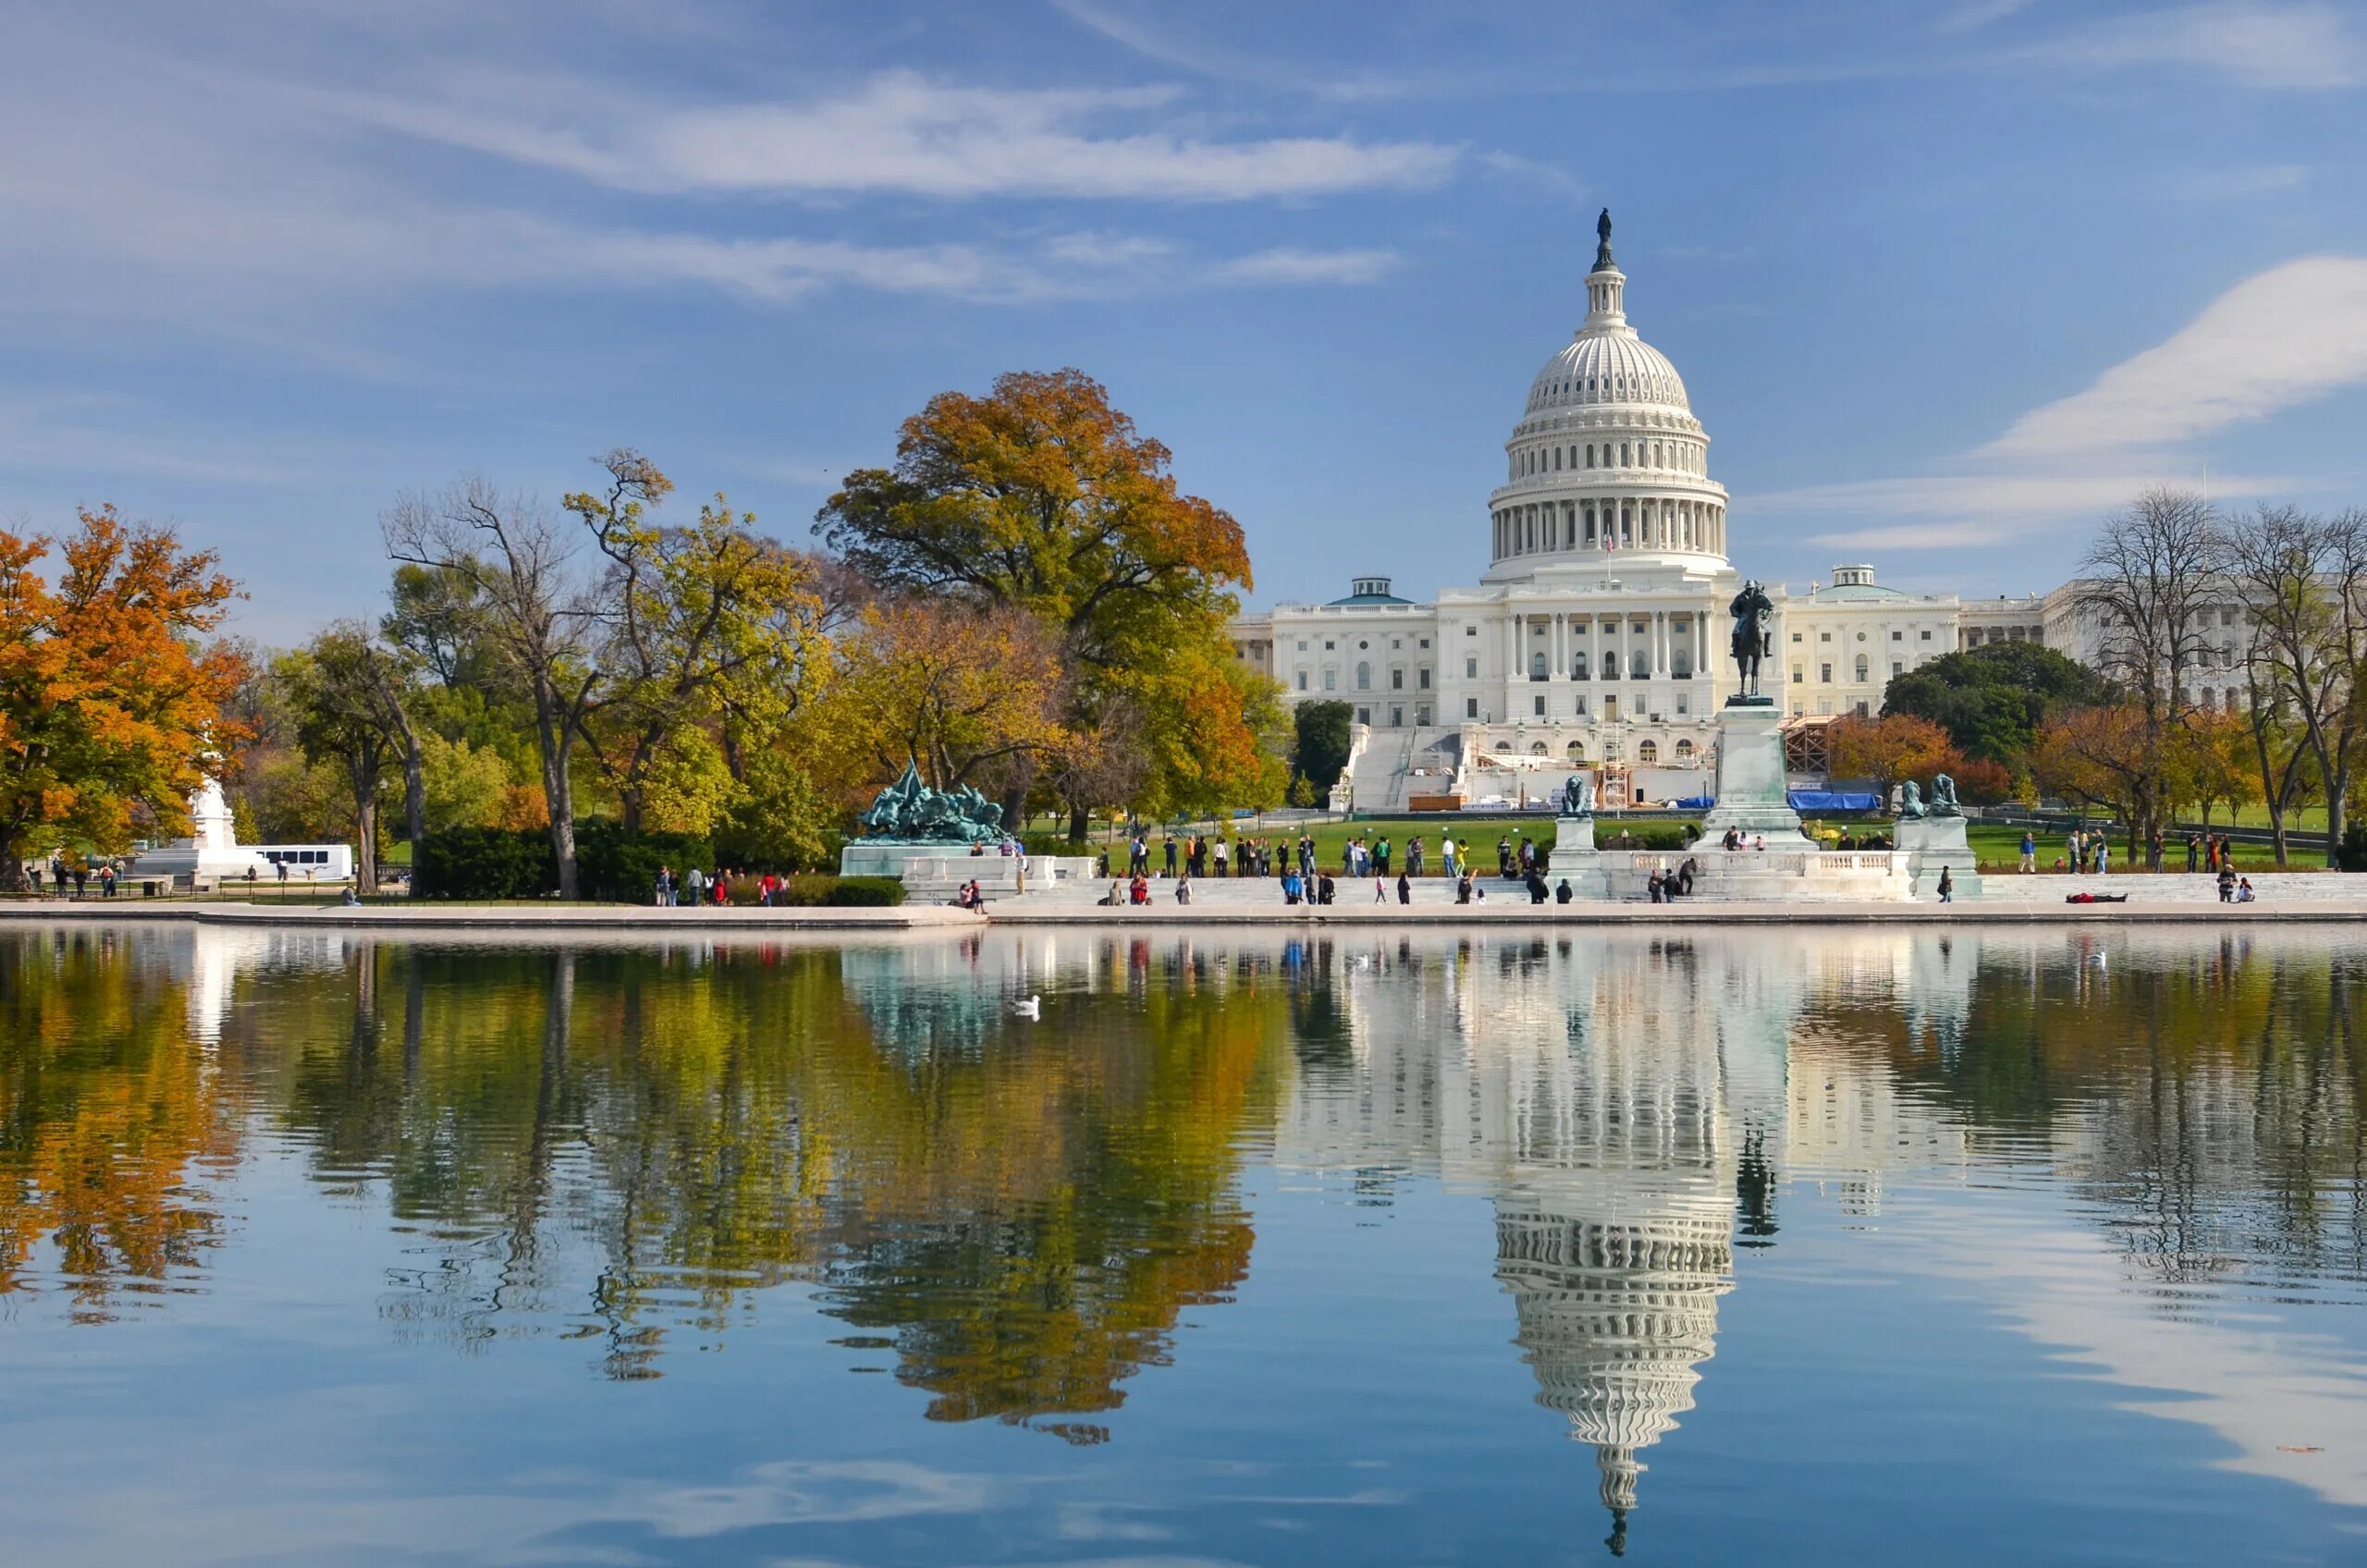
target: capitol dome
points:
(1607, 456)
(1608, 367)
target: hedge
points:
(609, 864)
(484, 862)
(819, 889)
(1648, 835)
(2353, 855)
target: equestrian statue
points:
(1754, 638)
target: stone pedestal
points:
(1751, 778)
(1931, 842)
(1575, 857)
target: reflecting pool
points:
(1768, 1248)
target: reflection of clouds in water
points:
(792, 1492)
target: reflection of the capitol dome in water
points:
(1612, 1096)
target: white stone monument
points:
(212, 851)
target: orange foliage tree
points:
(109, 709)
(1041, 497)
(1889, 750)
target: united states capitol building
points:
(1598, 635)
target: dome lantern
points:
(1606, 286)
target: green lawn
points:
(1999, 849)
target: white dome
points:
(1607, 364)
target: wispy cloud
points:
(1970, 511)
(2285, 337)
(900, 132)
(2304, 46)
(1291, 265)
(2228, 185)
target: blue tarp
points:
(1834, 799)
(1695, 802)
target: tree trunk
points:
(414, 791)
(365, 833)
(558, 796)
(2337, 815)
(1079, 820)
(12, 864)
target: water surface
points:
(1770, 1248)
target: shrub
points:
(817, 890)
(1646, 835)
(610, 863)
(2353, 855)
(484, 862)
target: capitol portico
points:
(1598, 632)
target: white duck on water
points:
(1028, 1007)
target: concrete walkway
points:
(1251, 902)
(501, 917)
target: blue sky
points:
(1947, 281)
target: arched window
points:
(1685, 750)
(1576, 751)
(1536, 667)
(1611, 664)
(1536, 748)
(1648, 751)
(1557, 457)
(1623, 456)
(1578, 665)
(1589, 454)
(1861, 666)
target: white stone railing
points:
(1708, 861)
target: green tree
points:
(348, 693)
(1992, 699)
(1322, 749)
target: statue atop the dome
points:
(1753, 641)
(1603, 262)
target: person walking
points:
(2193, 854)
(2104, 855)
(1224, 858)
(1947, 885)
(1413, 854)
(1405, 888)
(2076, 844)
(2029, 850)
(1446, 854)
(1170, 855)
(2154, 849)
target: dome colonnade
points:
(1607, 456)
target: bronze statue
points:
(910, 811)
(1944, 797)
(1754, 640)
(1603, 262)
(1911, 799)
(1577, 796)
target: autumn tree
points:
(1042, 499)
(110, 709)
(539, 620)
(2107, 756)
(710, 636)
(2302, 583)
(954, 689)
(2149, 583)
(1887, 751)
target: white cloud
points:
(2305, 46)
(1293, 266)
(1967, 511)
(2284, 336)
(899, 132)
(2227, 185)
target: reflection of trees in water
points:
(107, 1115)
(2206, 1097)
(633, 1143)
